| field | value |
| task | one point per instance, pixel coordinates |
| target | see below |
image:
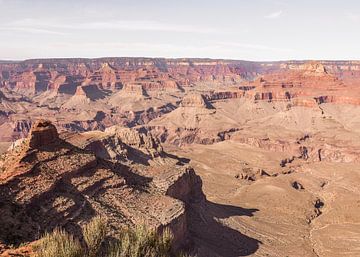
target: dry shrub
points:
(138, 242)
(142, 242)
(94, 235)
(59, 244)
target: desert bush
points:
(142, 242)
(94, 235)
(59, 244)
(138, 242)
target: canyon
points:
(236, 158)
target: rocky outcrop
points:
(91, 92)
(136, 139)
(45, 185)
(223, 95)
(26, 80)
(107, 77)
(333, 153)
(120, 144)
(57, 82)
(183, 184)
(194, 100)
(337, 99)
(314, 69)
(80, 91)
(42, 133)
(133, 89)
(265, 143)
(161, 85)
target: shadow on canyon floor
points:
(212, 238)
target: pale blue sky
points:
(249, 30)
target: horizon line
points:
(175, 58)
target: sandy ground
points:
(270, 216)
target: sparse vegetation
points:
(138, 242)
(94, 235)
(142, 242)
(59, 244)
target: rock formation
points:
(48, 185)
(194, 100)
(134, 90)
(42, 133)
(314, 69)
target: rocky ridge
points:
(52, 179)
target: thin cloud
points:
(274, 15)
(123, 25)
(135, 25)
(32, 30)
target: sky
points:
(258, 30)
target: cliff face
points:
(37, 76)
(89, 94)
(49, 180)
(111, 73)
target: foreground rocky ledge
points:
(50, 180)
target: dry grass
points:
(94, 235)
(59, 244)
(142, 242)
(138, 242)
